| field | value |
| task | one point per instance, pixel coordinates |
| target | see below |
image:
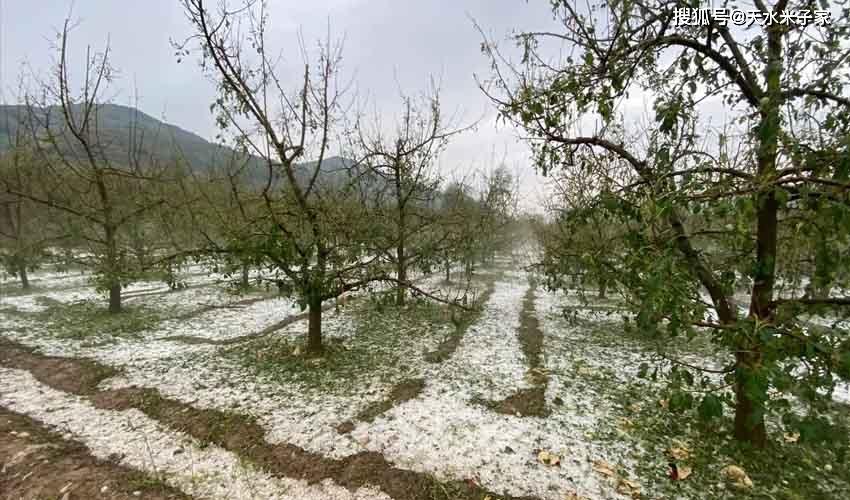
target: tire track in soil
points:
(240, 434)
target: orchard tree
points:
(497, 203)
(407, 185)
(700, 202)
(222, 217)
(581, 244)
(24, 225)
(455, 210)
(475, 219)
(96, 190)
(305, 216)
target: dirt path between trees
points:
(240, 434)
(38, 463)
(529, 402)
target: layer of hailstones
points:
(203, 471)
(72, 287)
(308, 419)
(194, 374)
(443, 431)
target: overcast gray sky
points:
(387, 43)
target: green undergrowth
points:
(646, 418)
(790, 467)
(90, 319)
(386, 343)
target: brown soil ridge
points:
(39, 463)
(241, 434)
(449, 345)
(529, 402)
(403, 391)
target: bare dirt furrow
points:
(39, 463)
(530, 401)
(242, 435)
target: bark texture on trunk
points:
(749, 400)
(750, 391)
(400, 291)
(314, 328)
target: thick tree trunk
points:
(448, 272)
(115, 298)
(750, 392)
(749, 400)
(25, 280)
(170, 279)
(603, 287)
(401, 257)
(314, 328)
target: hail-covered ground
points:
(209, 348)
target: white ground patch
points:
(444, 433)
(205, 472)
(842, 393)
(489, 361)
(42, 275)
(193, 374)
(227, 322)
(290, 413)
(441, 432)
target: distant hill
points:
(124, 129)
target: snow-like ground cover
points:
(54, 287)
(196, 374)
(227, 321)
(444, 431)
(41, 301)
(594, 365)
(489, 363)
(46, 274)
(204, 471)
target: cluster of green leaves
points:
(691, 224)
